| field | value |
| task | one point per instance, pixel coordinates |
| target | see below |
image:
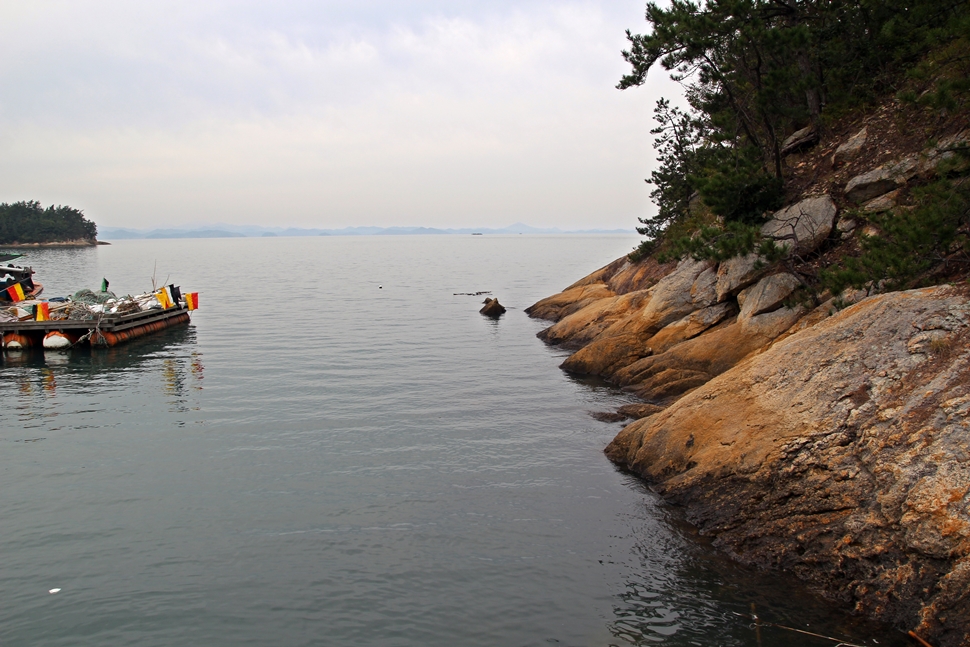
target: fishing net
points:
(92, 298)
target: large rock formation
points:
(831, 444)
(677, 327)
(839, 453)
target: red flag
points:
(16, 292)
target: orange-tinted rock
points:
(660, 377)
(583, 326)
(737, 273)
(632, 277)
(691, 326)
(839, 453)
(672, 297)
(492, 308)
(607, 355)
(602, 275)
(569, 301)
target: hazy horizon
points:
(517, 227)
(427, 114)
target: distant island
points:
(28, 223)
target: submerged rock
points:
(492, 309)
(608, 416)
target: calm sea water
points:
(341, 451)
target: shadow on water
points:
(593, 382)
(653, 609)
(681, 590)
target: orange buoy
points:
(105, 338)
(59, 340)
(16, 341)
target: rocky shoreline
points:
(58, 243)
(828, 442)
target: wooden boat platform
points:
(108, 330)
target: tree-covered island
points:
(29, 223)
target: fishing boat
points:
(12, 276)
(87, 317)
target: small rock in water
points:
(608, 416)
(492, 309)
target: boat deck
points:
(108, 323)
(108, 330)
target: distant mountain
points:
(116, 233)
(221, 230)
(193, 233)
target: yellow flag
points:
(165, 298)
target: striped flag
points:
(16, 292)
(42, 311)
(164, 297)
(192, 300)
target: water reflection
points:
(198, 370)
(167, 359)
(689, 591)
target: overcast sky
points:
(326, 114)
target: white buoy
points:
(14, 344)
(53, 591)
(56, 340)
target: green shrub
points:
(911, 241)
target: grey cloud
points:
(423, 113)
